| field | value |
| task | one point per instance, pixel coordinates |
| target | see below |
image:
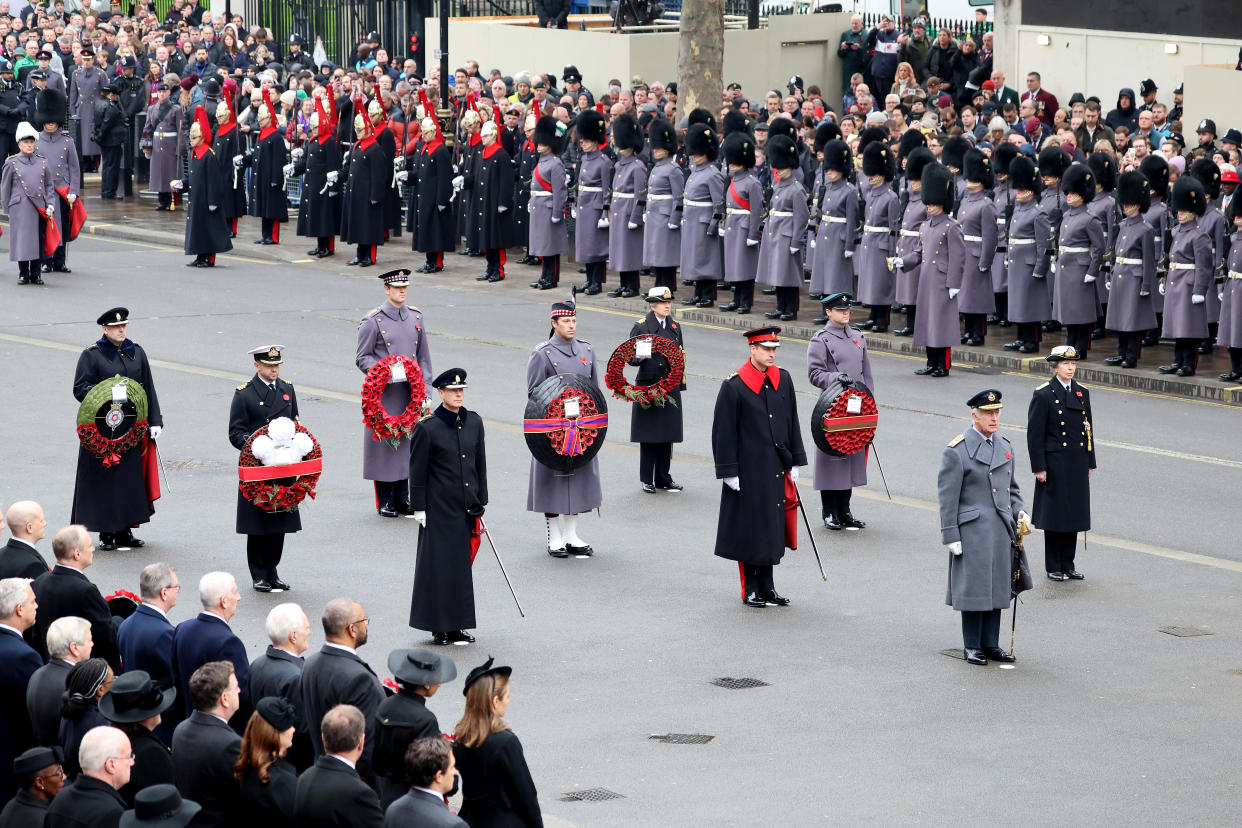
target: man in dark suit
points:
(19, 558)
(278, 672)
(205, 748)
(433, 775)
(331, 794)
(208, 637)
(93, 799)
(66, 591)
(336, 675)
(17, 613)
(145, 638)
(68, 642)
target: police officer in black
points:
(12, 111)
(1061, 444)
(132, 97)
(255, 404)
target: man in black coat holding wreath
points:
(655, 428)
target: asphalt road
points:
(1105, 720)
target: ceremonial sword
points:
(496, 552)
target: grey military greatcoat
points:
(942, 254)
(594, 189)
(548, 195)
(1159, 220)
(85, 89)
(743, 224)
(834, 351)
(1103, 208)
(831, 271)
(1003, 200)
(384, 331)
(784, 231)
(1028, 266)
(702, 255)
(1134, 274)
(1074, 300)
(25, 188)
(629, 189)
(662, 242)
(62, 165)
(907, 248)
(163, 129)
(876, 283)
(1191, 272)
(977, 217)
(1230, 333)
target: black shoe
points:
(460, 637)
(1075, 575)
(769, 291)
(819, 320)
(615, 293)
(906, 331)
(1229, 376)
(815, 297)
(690, 300)
(1113, 360)
(649, 488)
(997, 654)
(387, 511)
(354, 261)
(582, 287)
(279, 584)
(706, 303)
(64, 269)
(428, 270)
(772, 314)
(546, 285)
(45, 268)
(1005, 323)
(1057, 576)
(1028, 348)
(993, 320)
(580, 551)
(926, 370)
(1205, 349)
(852, 522)
(1150, 341)
(729, 308)
(483, 277)
(832, 522)
(23, 280)
(593, 289)
(671, 486)
(536, 284)
(1171, 368)
(775, 600)
(880, 329)
(192, 264)
(127, 539)
(975, 656)
(974, 341)
(326, 253)
(869, 325)
(788, 317)
(365, 263)
(753, 600)
(36, 279)
(107, 543)
(264, 241)
(628, 293)
(262, 586)
(1051, 327)
(495, 277)
(742, 310)
(939, 372)
(318, 251)
(558, 553)
(440, 639)
(1129, 363)
(1186, 371)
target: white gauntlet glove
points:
(1161, 288)
(672, 226)
(752, 242)
(176, 184)
(403, 175)
(602, 224)
(955, 547)
(795, 250)
(1024, 522)
(238, 159)
(1197, 299)
(733, 483)
(156, 431)
(421, 519)
(334, 177)
(793, 474)
(288, 169)
(458, 183)
(953, 292)
(631, 225)
(849, 254)
(1088, 279)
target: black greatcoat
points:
(67, 591)
(365, 188)
(87, 802)
(755, 437)
(403, 718)
(153, 764)
(496, 786)
(226, 146)
(490, 187)
(267, 177)
(25, 810)
(433, 166)
(448, 481)
(1060, 440)
(206, 227)
(113, 499)
(392, 194)
(254, 406)
(527, 159)
(655, 424)
(319, 213)
(270, 803)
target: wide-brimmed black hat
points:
(159, 806)
(421, 667)
(134, 697)
(484, 669)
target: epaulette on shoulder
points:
(1041, 387)
(377, 310)
(959, 438)
(413, 308)
(242, 387)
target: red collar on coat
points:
(201, 150)
(266, 131)
(754, 379)
(226, 129)
(429, 148)
(475, 140)
(491, 150)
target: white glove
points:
(955, 547)
(1052, 267)
(502, 209)
(752, 242)
(793, 474)
(399, 162)
(556, 220)
(51, 210)
(734, 483)
(1024, 520)
(602, 224)
(984, 269)
(573, 212)
(403, 175)
(238, 159)
(1108, 284)
(795, 250)
(333, 177)
(441, 206)
(720, 231)
(211, 208)
(1088, 279)
(1144, 293)
(953, 292)
(288, 169)
(421, 519)
(71, 198)
(897, 262)
(672, 226)
(1161, 288)
(298, 152)
(458, 183)
(812, 244)
(631, 225)
(1197, 299)
(176, 184)
(156, 431)
(849, 254)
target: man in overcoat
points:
(163, 139)
(781, 250)
(55, 145)
(655, 428)
(548, 237)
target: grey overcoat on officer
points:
(661, 243)
(785, 228)
(942, 254)
(554, 492)
(876, 283)
(1191, 273)
(1029, 234)
(1051, 200)
(1214, 224)
(1060, 441)
(979, 505)
(831, 271)
(629, 189)
(85, 86)
(25, 187)
(1229, 334)
(62, 165)
(1158, 219)
(384, 331)
(907, 279)
(1134, 273)
(255, 404)
(1081, 250)
(164, 130)
(594, 189)
(1002, 198)
(702, 254)
(743, 220)
(1103, 208)
(834, 351)
(977, 218)
(548, 194)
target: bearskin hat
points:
(782, 153)
(1002, 157)
(1132, 189)
(870, 135)
(735, 121)
(977, 167)
(1156, 170)
(837, 156)
(1023, 175)
(662, 136)
(1188, 194)
(954, 152)
(783, 126)
(546, 133)
(919, 158)
(701, 140)
(626, 134)
(701, 116)
(1104, 168)
(825, 132)
(591, 127)
(938, 186)
(1053, 162)
(52, 107)
(1079, 179)
(911, 139)
(877, 160)
(1208, 173)
(739, 148)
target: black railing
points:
(495, 8)
(341, 23)
(958, 29)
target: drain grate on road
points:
(739, 683)
(591, 795)
(1184, 632)
(683, 738)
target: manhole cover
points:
(1184, 632)
(739, 683)
(683, 738)
(591, 795)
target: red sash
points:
(737, 197)
(543, 182)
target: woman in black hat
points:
(268, 781)
(404, 717)
(497, 789)
(79, 707)
(134, 704)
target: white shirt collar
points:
(217, 615)
(1064, 385)
(15, 630)
(985, 437)
(23, 540)
(340, 647)
(343, 759)
(157, 609)
(436, 794)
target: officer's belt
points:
(911, 233)
(972, 238)
(583, 188)
(869, 228)
(834, 219)
(737, 211)
(1075, 249)
(1124, 261)
(616, 194)
(1182, 266)
(1016, 242)
(688, 203)
(165, 135)
(781, 213)
(539, 193)
(660, 197)
(1234, 274)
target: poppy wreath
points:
(384, 426)
(122, 603)
(842, 433)
(573, 439)
(108, 450)
(646, 395)
(272, 496)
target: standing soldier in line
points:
(448, 492)
(562, 496)
(11, 110)
(113, 500)
(468, 146)
(225, 146)
(953, 157)
(784, 232)
(392, 328)
(1130, 307)
(549, 237)
(164, 141)
(743, 220)
(267, 162)
(824, 133)
(655, 428)
(977, 216)
(882, 218)
(831, 268)
(255, 404)
(702, 217)
(319, 214)
(206, 230)
(1053, 162)
(61, 154)
(1003, 201)
(839, 352)
(1030, 233)
(980, 511)
(86, 86)
(387, 142)
(431, 219)
(108, 125)
(1061, 444)
(526, 158)
(759, 473)
(1081, 249)
(594, 191)
(1103, 208)
(132, 96)
(1230, 333)
(362, 199)
(1217, 228)
(1192, 271)
(491, 193)
(1155, 169)
(910, 234)
(625, 215)
(30, 200)
(662, 222)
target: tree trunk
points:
(700, 62)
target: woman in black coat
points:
(79, 707)
(134, 704)
(268, 781)
(404, 717)
(655, 428)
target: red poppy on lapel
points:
(1008, 456)
(584, 362)
(286, 398)
(1079, 393)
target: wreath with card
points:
(844, 418)
(266, 480)
(659, 393)
(391, 428)
(112, 419)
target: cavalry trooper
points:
(1191, 273)
(1130, 307)
(784, 232)
(882, 217)
(908, 237)
(1079, 254)
(743, 220)
(662, 222)
(625, 216)
(594, 175)
(1003, 201)
(1061, 444)
(491, 193)
(837, 236)
(392, 328)
(255, 404)
(548, 238)
(1030, 233)
(977, 216)
(702, 220)
(980, 511)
